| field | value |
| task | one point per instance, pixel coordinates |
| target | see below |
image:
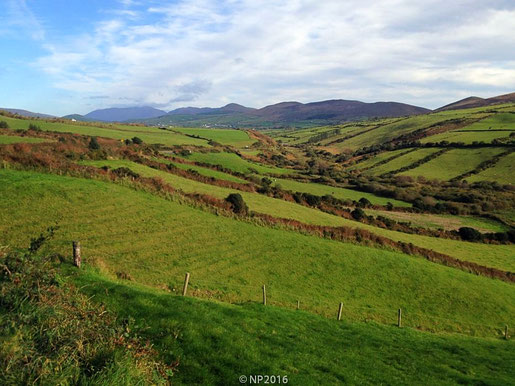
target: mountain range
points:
(284, 114)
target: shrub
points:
(128, 142)
(363, 202)
(137, 140)
(237, 203)
(469, 234)
(34, 127)
(358, 214)
(93, 144)
(125, 172)
(4, 125)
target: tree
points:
(469, 234)
(93, 144)
(358, 214)
(237, 203)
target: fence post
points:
(264, 295)
(340, 309)
(506, 332)
(186, 281)
(298, 304)
(399, 318)
(76, 254)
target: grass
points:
(441, 221)
(149, 135)
(403, 160)
(156, 241)
(216, 343)
(341, 193)
(234, 162)
(467, 137)
(503, 172)
(10, 139)
(206, 172)
(236, 138)
(453, 163)
(498, 256)
(370, 162)
(501, 121)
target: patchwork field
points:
(404, 160)
(234, 162)
(498, 256)
(236, 138)
(154, 241)
(453, 163)
(503, 172)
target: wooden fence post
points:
(340, 309)
(506, 332)
(264, 295)
(399, 318)
(77, 260)
(298, 304)
(186, 281)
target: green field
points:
(206, 171)
(10, 139)
(502, 172)
(403, 160)
(498, 256)
(156, 241)
(216, 343)
(467, 137)
(374, 160)
(236, 163)
(501, 121)
(151, 135)
(453, 163)
(441, 221)
(236, 138)
(341, 193)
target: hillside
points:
(285, 114)
(471, 102)
(381, 223)
(124, 114)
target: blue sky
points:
(63, 57)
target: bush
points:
(93, 144)
(125, 172)
(358, 214)
(4, 125)
(469, 234)
(34, 127)
(363, 202)
(237, 203)
(137, 141)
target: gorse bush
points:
(137, 140)
(52, 334)
(34, 127)
(237, 203)
(93, 144)
(4, 125)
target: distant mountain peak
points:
(122, 114)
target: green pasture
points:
(151, 135)
(499, 256)
(402, 161)
(341, 193)
(156, 241)
(503, 172)
(236, 163)
(217, 343)
(10, 139)
(236, 138)
(453, 163)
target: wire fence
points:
(270, 295)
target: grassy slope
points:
(501, 121)
(237, 138)
(156, 241)
(217, 343)
(9, 139)
(503, 172)
(370, 162)
(207, 172)
(499, 256)
(147, 134)
(436, 221)
(234, 162)
(321, 190)
(403, 160)
(467, 137)
(453, 163)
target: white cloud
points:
(258, 53)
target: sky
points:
(70, 56)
